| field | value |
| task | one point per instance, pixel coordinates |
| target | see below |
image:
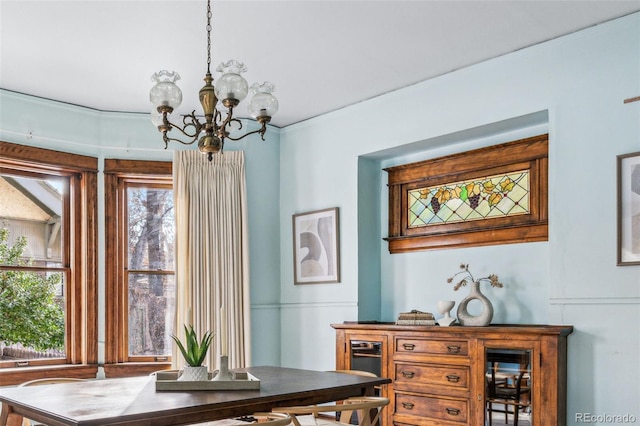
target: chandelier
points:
(217, 102)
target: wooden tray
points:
(168, 381)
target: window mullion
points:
(123, 273)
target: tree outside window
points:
(151, 287)
(31, 316)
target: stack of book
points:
(416, 317)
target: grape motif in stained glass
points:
(489, 197)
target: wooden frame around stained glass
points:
(488, 196)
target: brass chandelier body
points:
(232, 88)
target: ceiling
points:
(322, 55)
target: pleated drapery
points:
(212, 254)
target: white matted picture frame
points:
(316, 247)
(628, 168)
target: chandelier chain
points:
(209, 37)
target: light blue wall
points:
(54, 125)
(573, 88)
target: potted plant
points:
(194, 352)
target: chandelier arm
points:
(167, 139)
(218, 125)
(227, 124)
(261, 131)
(229, 119)
(188, 121)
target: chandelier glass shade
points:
(218, 103)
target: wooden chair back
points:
(272, 419)
(363, 406)
(49, 381)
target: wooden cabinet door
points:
(362, 351)
(508, 374)
(367, 351)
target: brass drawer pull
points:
(453, 378)
(408, 346)
(453, 349)
(408, 405)
(408, 374)
(452, 411)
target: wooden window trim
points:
(530, 153)
(82, 296)
(117, 363)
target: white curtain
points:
(212, 265)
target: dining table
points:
(135, 401)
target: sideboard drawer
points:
(417, 375)
(434, 347)
(430, 407)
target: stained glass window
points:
(486, 196)
(489, 197)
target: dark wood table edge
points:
(13, 415)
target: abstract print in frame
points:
(628, 166)
(316, 256)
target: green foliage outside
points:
(29, 312)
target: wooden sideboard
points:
(440, 375)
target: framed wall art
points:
(316, 247)
(487, 196)
(628, 168)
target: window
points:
(47, 263)
(140, 284)
(493, 195)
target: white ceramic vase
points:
(464, 318)
(444, 307)
(194, 374)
